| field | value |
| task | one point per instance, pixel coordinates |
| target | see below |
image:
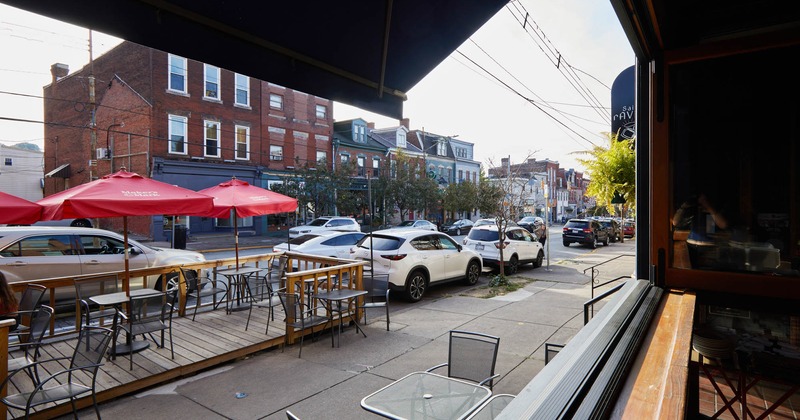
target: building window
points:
(242, 83)
(212, 138)
(449, 175)
(461, 175)
(177, 73)
(177, 134)
(322, 157)
(345, 158)
(441, 148)
(275, 101)
(242, 142)
(475, 177)
(322, 112)
(360, 134)
(401, 139)
(360, 166)
(211, 82)
(376, 167)
(276, 153)
(8, 162)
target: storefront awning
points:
(62, 171)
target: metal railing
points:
(598, 283)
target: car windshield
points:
(381, 243)
(406, 223)
(318, 222)
(483, 235)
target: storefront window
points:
(735, 164)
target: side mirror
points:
(134, 250)
(459, 247)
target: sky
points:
(505, 89)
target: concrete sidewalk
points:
(330, 382)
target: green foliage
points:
(498, 280)
(612, 170)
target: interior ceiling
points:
(662, 25)
(364, 53)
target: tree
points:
(404, 189)
(613, 173)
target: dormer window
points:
(401, 139)
(441, 148)
(359, 133)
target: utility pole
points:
(93, 106)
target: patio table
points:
(425, 395)
(237, 292)
(117, 299)
(339, 296)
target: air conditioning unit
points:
(102, 153)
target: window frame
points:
(237, 142)
(184, 74)
(321, 115)
(237, 88)
(276, 101)
(275, 157)
(208, 74)
(173, 119)
(206, 139)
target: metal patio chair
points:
(198, 287)
(86, 287)
(151, 313)
(472, 356)
(65, 384)
(378, 296)
(301, 315)
(28, 304)
(30, 348)
(262, 295)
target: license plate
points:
(479, 247)
(576, 231)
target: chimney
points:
(405, 122)
(371, 125)
(59, 71)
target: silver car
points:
(33, 253)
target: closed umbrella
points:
(245, 200)
(124, 194)
(18, 211)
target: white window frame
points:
(361, 162)
(212, 75)
(401, 139)
(376, 166)
(275, 98)
(241, 83)
(181, 71)
(322, 112)
(360, 133)
(177, 127)
(441, 148)
(207, 141)
(322, 156)
(276, 153)
(238, 140)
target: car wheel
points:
(458, 232)
(415, 286)
(566, 243)
(593, 244)
(605, 241)
(473, 273)
(539, 258)
(81, 223)
(512, 266)
(172, 281)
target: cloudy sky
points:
(542, 91)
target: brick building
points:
(179, 121)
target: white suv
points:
(520, 247)
(326, 223)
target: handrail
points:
(594, 300)
(595, 282)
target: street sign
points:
(431, 174)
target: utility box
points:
(180, 237)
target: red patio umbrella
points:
(245, 200)
(124, 194)
(18, 211)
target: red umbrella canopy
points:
(16, 210)
(124, 194)
(247, 200)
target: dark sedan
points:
(458, 227)
(536, 226)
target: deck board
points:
(213, 338)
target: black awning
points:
(364, 53)
(62, 171)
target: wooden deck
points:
(214, 338)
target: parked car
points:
(81, 222)
(536, 226)
(326, 223)
(417, 224)
(325, 244)
(613, 228)
(585, 231)
(629, 228)
(519, 247)
(415, 259)
(492, 221)
(33, 253)
(458, 227)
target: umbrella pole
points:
(126, 285)
(288, 238)
(236, 236)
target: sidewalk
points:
(330, 382)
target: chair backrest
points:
(29, 301)
(376, 285)
(91, 347)
(472, 355)
(39, 326)
(157, 306)
(190, 277)
(292, 305)
(86, 287)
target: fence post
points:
(4, 326)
